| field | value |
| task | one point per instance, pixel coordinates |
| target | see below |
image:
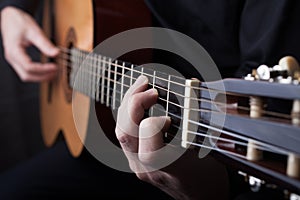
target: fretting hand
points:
(188, 177)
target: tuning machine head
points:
(287, 71)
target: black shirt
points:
(238, 34)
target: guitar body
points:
(56, 96)
(81, 24)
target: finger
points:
(151, 137)
(33, 77)
(29, 71)
(139, 85)
(139, 102)
(128, 143)
(39, 68)
(132, 111)
(37, 37)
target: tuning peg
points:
(278, 68)
(290, 64)
(263, 72)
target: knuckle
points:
(134, 100)
(158, 179)
(122, 137)
(25, 77)
(147, 122)
(143, 176)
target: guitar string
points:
(219, 130)
(228, 133)
(275, 114)
(196, 144)
(245, 108)
(259, 145)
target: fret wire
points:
(84, 78)
(92, 62)
(98, 67)
(80, 75)
(102, 80)
(122, 81)
(94, 78)
(115, 88)
(88, 88)
(168, 94)
(142, 71)
(131, 74)
(153, 84)
(108, 81)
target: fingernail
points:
(168, 118)
(54, 51)
(154, 91)
(141, 80)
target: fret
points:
(108, 82)
(89, 76)
(122, 82)
(80, 75)
(131, 75)
(94, 76)
(142, 71)
(83, 76)
(115, 87)
(98, 75)
(168, 95)
(103, 79)
(73, 63)
(153, 86)
(153, 79)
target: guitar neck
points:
(106, 80)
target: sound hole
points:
(68, 65)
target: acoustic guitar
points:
(251, 131)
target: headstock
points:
(261, 126)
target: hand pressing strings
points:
(142, 141)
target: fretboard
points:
(106, 80)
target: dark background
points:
(20, 134)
